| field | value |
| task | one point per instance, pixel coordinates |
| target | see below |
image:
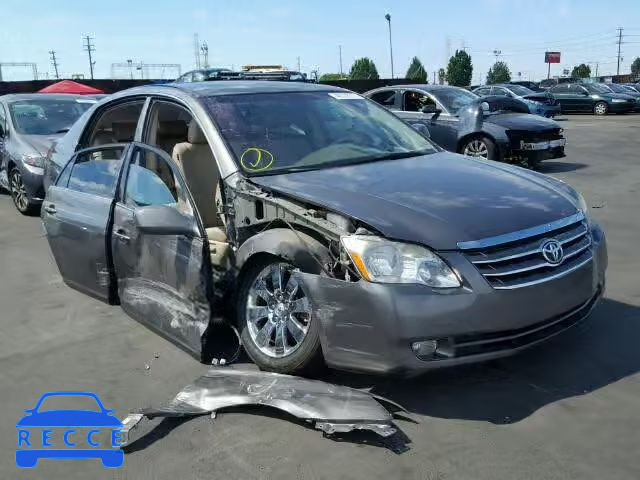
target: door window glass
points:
(115, 125)
(96, 172)
(559, 89)
(386, 98)
(416, 101)
(168, 125)
(576, 89)
(152, 181)
(482, 91)
(501, 92)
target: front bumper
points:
(622, 107)
(370, 327)
(32, 177)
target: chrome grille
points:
(516, 260)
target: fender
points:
(300, 249)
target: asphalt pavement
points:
(569, 409)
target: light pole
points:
(130, 63)
(388, 17)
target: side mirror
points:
(164, 220)
(429, 108)
(420, 128)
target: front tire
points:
(278, 326)
(480, 147)
(601, 108)
(19, 193)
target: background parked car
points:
(633, 86)
(457, 121)
(535, 86)
(591, 97)
(29, 124)
(617, 88)
(540, 103)
(552, 82)
(203, 75)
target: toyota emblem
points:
(552, 251)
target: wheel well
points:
(469, 136)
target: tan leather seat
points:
(200, 170)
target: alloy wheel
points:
(601, 109)
(18, 191)
(476, 148)
(278, 311)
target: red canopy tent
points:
(69, 86)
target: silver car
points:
(29, 124)
(322, 226)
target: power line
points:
(54, 62)
(90, 48)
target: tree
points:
(329, 77)
(581, 71)
(363, 69)
(416, 71)
(442, 76)
(635, 66)
(499, 73)
(460, 69)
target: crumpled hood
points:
(522, 121)
(437, 200)
(40, 143)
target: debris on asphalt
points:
(330, 408)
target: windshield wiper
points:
(62, 130)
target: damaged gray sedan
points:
(323, 227)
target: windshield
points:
(46, 116)
(595, 88)
(520, 90)
(281, 132)
(453, 99)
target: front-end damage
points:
(330, 408)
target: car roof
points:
(425, 86)
(19, 97)
(235, 87)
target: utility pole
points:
(90, 48)
(54, 62)
(298, 58)
(497, 53)
(340, 53)
(388, 18)
(619, 46)
(130, 63)
(434, 76)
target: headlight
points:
(383, 261)
(618, 100)
(34, 160)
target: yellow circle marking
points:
(263, 161)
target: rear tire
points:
(19, 194)
(601, 108)
(480, 146)
(269, 331)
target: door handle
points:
(121, 235)
(50, 209)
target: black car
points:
(591, 98)
(497, 128)
(204, 75)
(29, 124)
(535, 86)
(624, 90)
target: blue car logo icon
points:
(36, 439)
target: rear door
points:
(76, 216)
(164, 279)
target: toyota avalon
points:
(322, 226)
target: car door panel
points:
(77, 220)
(163, 280)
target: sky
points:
(240, 32)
